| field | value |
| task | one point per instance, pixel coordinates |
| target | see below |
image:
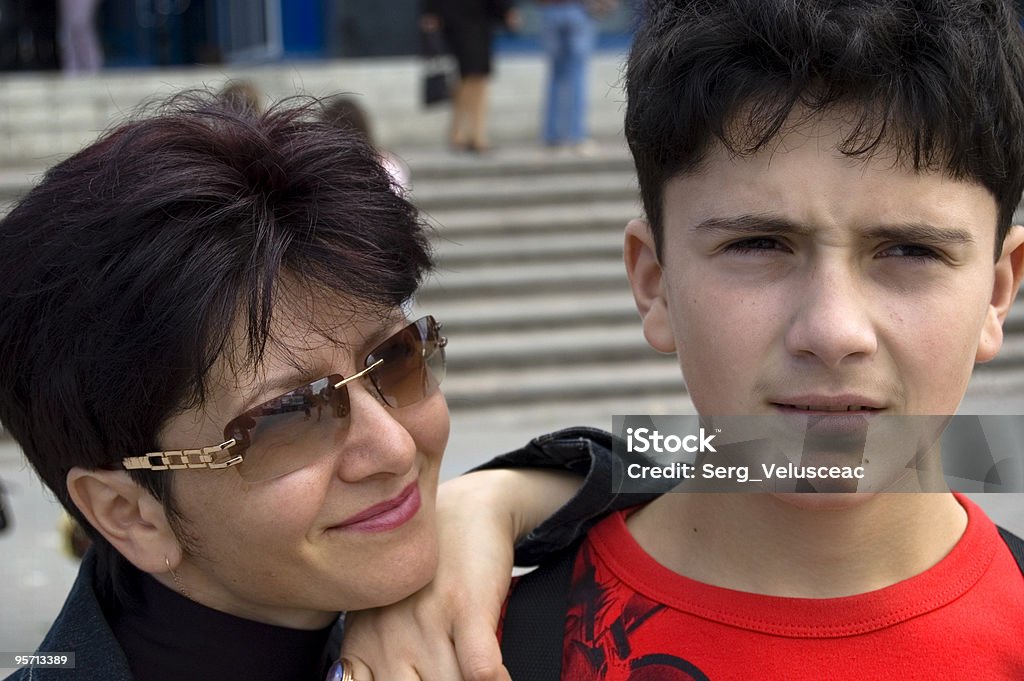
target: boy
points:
(828, 191)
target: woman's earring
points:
(177, 580)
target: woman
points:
(207, 360)
(467, 26)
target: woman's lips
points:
(386, 515)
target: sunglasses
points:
(287, 433)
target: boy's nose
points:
(832, 319)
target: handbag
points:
(437, 69)
(436, 87)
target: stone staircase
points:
(533, 295)
(530, 287)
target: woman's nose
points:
(376, 441)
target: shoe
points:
(586, 148)
(557, 150)
(479, 149)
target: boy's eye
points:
(915, 251)
(756, 244)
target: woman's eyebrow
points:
(297, 376)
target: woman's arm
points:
(447, 631)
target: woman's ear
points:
(127, 515)
(646, 280)
(1008, 275)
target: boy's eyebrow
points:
(919, 232)
(752, 223)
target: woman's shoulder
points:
(81, 628)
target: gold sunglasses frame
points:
(179, 459)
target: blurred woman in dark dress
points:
(468, 28)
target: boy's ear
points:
(647, 281)
(1008, 275)
(127, 515)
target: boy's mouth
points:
(850, 403)
(827, 408)
(833, 424)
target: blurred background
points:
(162, 33)
(530, 288)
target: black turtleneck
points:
(168, 637)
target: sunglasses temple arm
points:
(359, 375)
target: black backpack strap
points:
(1016, 545)
(534, 626)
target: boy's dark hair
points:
(939, 80)
(129, 267)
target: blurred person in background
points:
(243, 95)
(468, 28)
(568, 33)
(80, 50)
(344, 112)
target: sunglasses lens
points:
(413, 364)
(286, 434)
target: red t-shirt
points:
(632, 619)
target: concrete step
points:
(556, 346)
(517, 385)
(44, 116)
(434, 195)
(426, 164)
(592, 216)
(523, 312)
(554, 246)
(503, 279)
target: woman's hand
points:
(446, 631)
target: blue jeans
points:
(567, 32)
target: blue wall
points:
(302, 28)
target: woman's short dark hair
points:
(129, 269)
(939, 81)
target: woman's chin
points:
(396, 577)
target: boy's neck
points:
(760, 544)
